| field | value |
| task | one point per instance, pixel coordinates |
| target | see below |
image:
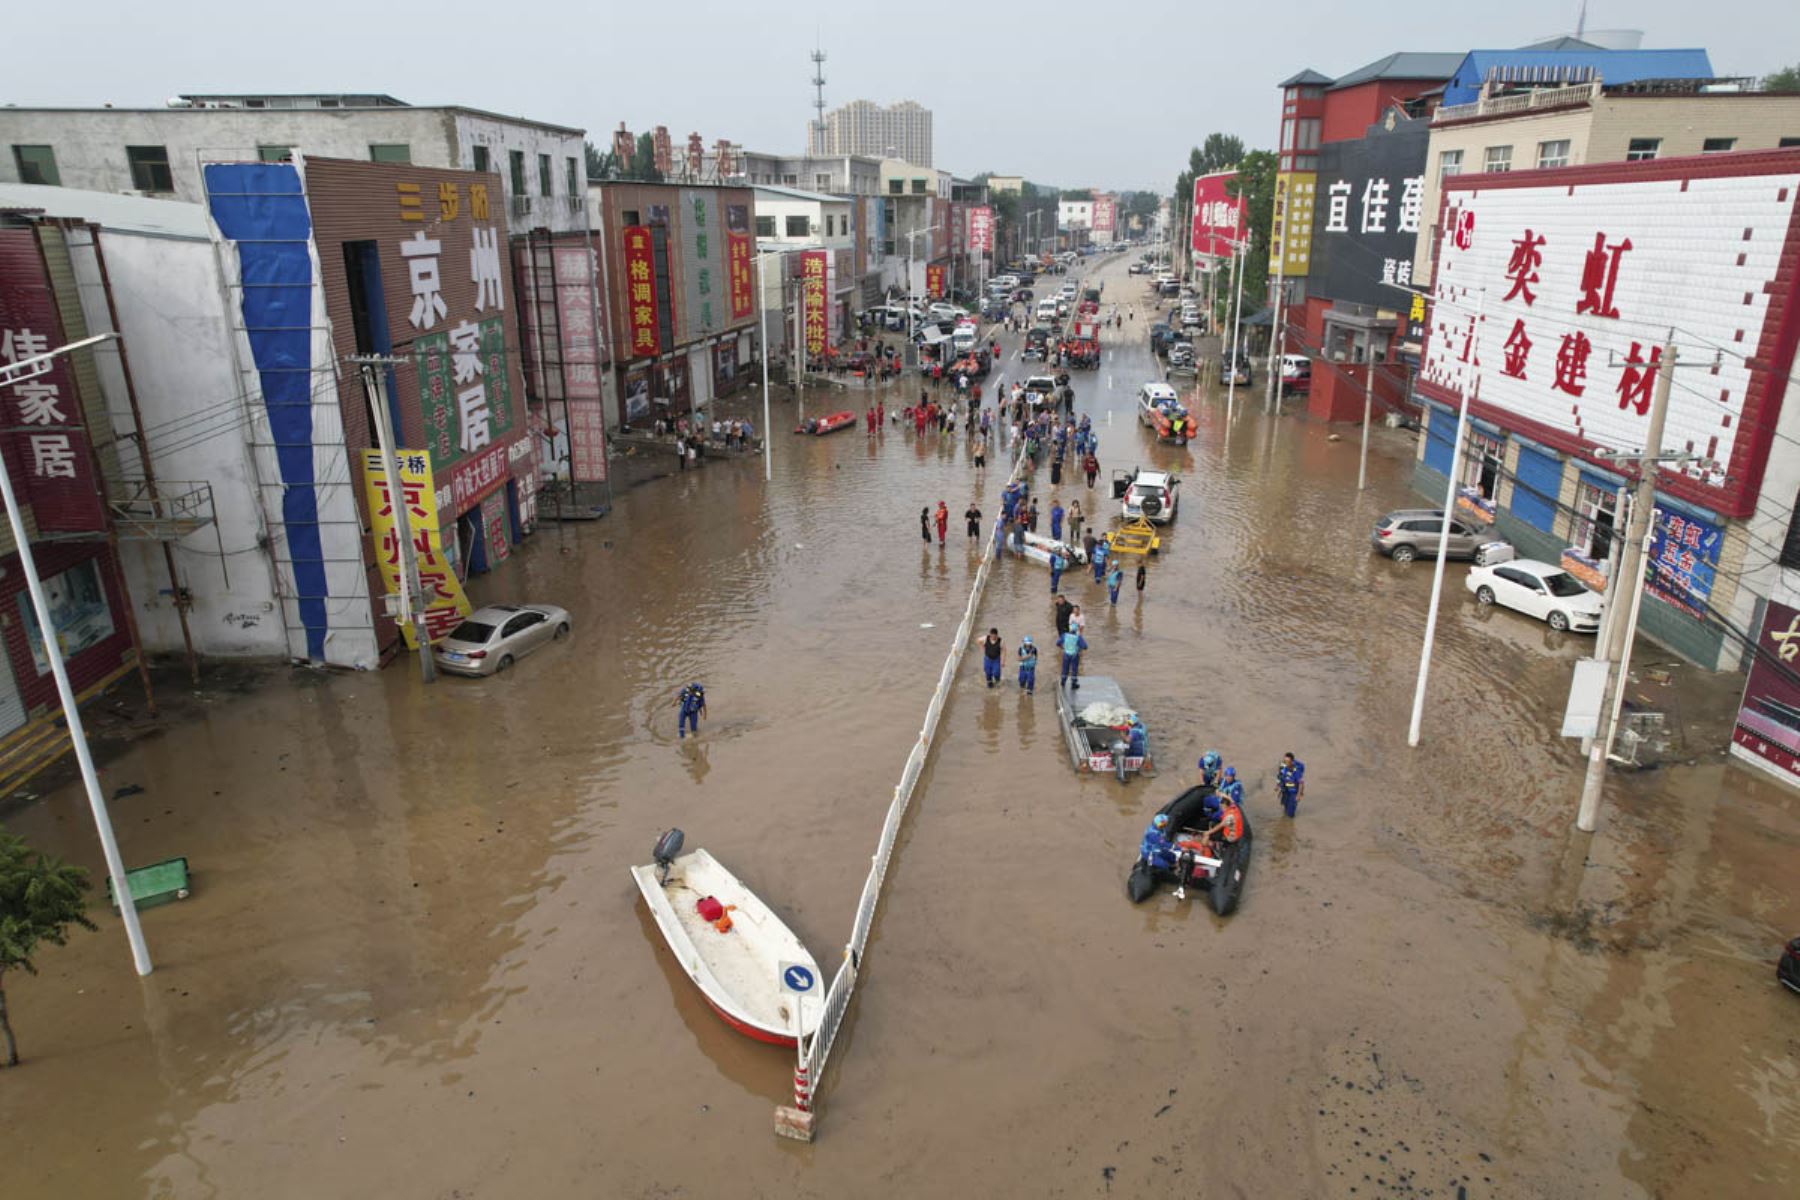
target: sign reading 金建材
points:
(1558, 291)
(640, 293)
(441, 592)
(934, 282)
(812, 299)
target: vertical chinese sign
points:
(1684, 554)
(701, 252)
(445, 603)
(743, 284)
(812, 296)
(934, 281)
(47, 447)
(981, 229)
(580, 362)
(640, 293)
(1768, 722)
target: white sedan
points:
(1538, 589)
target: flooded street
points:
(414, 963)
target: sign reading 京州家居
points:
(1370, 190)
(812, 297)
(445, 603)
(640, 293)
(1579, 282)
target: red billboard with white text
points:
(1218, 216)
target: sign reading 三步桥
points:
(440, 591)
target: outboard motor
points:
(667, 847)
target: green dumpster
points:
(155, 884)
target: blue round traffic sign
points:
(798, 979)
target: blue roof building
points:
(1530, 68)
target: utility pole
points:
(1631, 561)
(800, 343)
(1237, 332)
(1437, 575)
(1362, 458)
(762, 332)
(13, 373)
(374, 369)
(1273, 384)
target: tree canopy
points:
(1785, 80)
(40, 898)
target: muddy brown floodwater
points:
(414, 964)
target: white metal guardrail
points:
(814, 1052)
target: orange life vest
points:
(1231, 822)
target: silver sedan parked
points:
(492, 637)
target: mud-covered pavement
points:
(414, 963)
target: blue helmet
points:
(1160, 821)
(1209, 761)
(1231, 772)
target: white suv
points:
(1152, 495)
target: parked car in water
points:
(1235, 371)
(1152, 495)
(491, 638)
(1538, 589)
(1296, 373)
(1159, 338)
(1409, 533)
(1181, 359)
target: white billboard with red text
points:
(1580, 275)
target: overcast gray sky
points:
(1079, 94)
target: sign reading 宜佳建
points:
(49, 443)
(1582, 279)
(812, 297)
(441, 591)
(934, 282)
(640, 293)
(1364, 235)
(737, 249)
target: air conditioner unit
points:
(521, 206)
(576, 203)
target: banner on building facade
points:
(813, 298)
(702, 253)
(1684, 555)
(640, 293)
(1218, 216)
(981, 228)
(1367, 224)
(1579, 276)
(934, 281)
(1768, 721)
(47, 450)
(575, 302)
(1106, 210)
(1290, 225)
(441, 591)
(742, 274)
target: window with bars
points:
(544, 175)
(765, 227)
(481, 158)
(1592, 531)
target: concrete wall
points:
(769, 204)
(173, 318)
(1758, 120)
(89, 145)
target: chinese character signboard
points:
(813, 271)
(1768, 722)
(703, 262)
(431, 243)
(1684, 554)
(1367, 224)
(981, 228)
(934, 282)
(1105, 213)
(47, 450)
(575, 278)
(1290, 230)
(1218, 216)
(445, 603)
(640, 294)
(1582, 274)
(742, 275)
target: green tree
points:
(596, 161)
(643, 160)
(1220, 152)
(1076, 194)
(40, 897)
(1255, 184)
(1785, 80)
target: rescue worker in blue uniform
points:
(1100, 552)
(1290, 775)
(1072, 646)
(1028, 656)
(1056, 522)
(1229, 787)
(693, 703)
(1137, 738)
(1209, 769)
(1156, 849)
(1058, 564)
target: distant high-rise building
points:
(900, 131)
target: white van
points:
(1047, 312)
(963, 339)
